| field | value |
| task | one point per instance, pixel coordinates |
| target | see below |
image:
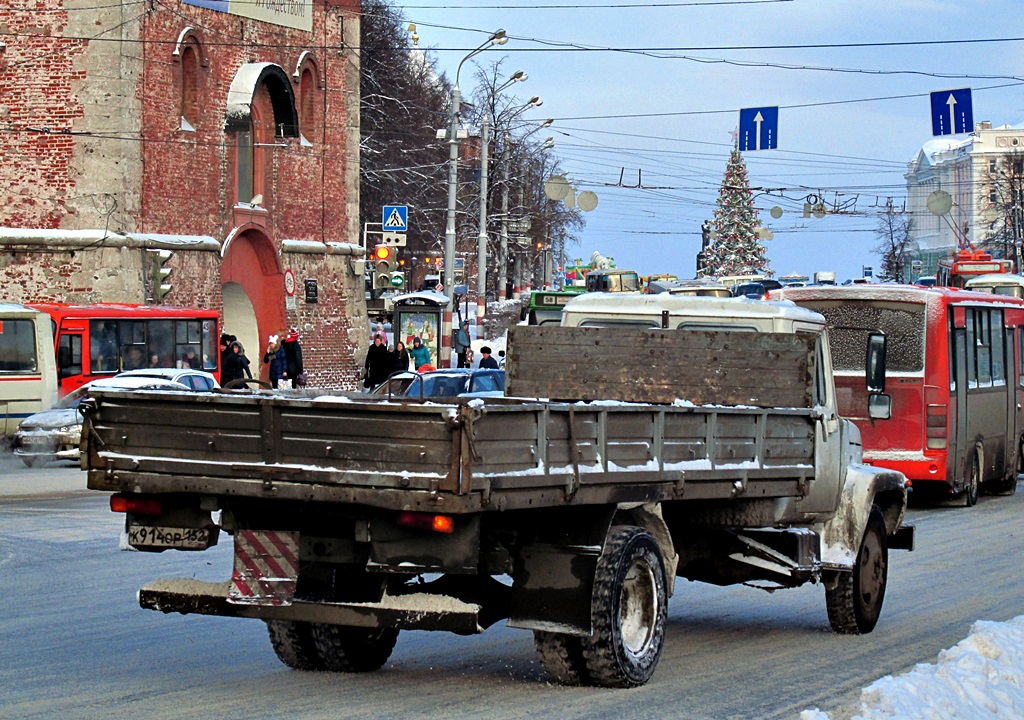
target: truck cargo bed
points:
(463, 456)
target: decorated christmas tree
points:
(734, 247)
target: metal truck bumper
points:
(903, 538)
(409, 612)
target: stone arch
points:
(252, 268)
(247, 80)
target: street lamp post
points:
(481, 279)
(548, 144)
(496, 38)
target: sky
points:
(644, 96)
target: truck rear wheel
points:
(855, 603)
(628, 610)
(294, 644)
(562, 657)
(353, 649)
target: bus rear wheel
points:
(973, 479)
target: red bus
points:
(957, 269)
(100, 340)
(954, 363)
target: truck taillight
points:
(427, 521)
(135, 505)
(937, 422)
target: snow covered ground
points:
(980, 678)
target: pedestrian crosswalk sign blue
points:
(396, 218)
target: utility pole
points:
(503, 255)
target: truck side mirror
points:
(879, 406)
(875, 364)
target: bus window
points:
(983, 330)
(998, 360)
(18, 346)
(103, 346)
(972, 365)
(160, 345)
(850, 324)
(210, 346)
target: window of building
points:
(307, 103)
(189, 88)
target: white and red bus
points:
(954, 363)
(100, 340)
(28, 374)
(957, 269)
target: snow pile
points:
(981, 678)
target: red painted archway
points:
(251, 263)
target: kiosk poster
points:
(425, 326)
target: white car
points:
(55, 434)
(198, 380)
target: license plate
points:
(167, 537)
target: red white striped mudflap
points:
(266, 568)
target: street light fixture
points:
(496, 38)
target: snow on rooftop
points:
(980, 678)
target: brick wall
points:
(95, 142)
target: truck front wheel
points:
(855, 602)
(628, 610)
(294, 644)
(353, 649)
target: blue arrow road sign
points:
(952, 112)
(759, 128)
(396, 218)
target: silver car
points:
(55, 434)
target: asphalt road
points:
(76, 645)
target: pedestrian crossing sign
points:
(396, 218)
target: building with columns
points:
(968, 169)
(224, 132)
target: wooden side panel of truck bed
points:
(661, 366)
(464, 456)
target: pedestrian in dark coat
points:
(225, 350)
(236, 366)
(293, 359)
(274, 357)
(378, 363)
(486, 361)
(399, 358)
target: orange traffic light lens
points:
(382, 252)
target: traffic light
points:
(398, 279)
(159, 273)
(383, 257)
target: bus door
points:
(987, 415)
(958, 397)
(1015, 426)
(71, 343)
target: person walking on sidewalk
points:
(462, 343)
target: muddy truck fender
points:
(865, 487)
